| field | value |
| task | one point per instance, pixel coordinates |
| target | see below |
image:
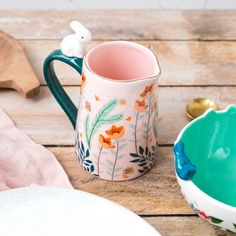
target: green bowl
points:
(205, 163)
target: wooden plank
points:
(157, 192)
(172, 103)
(196, 63)
(43, 119)
(182, 63)
(123, 24)
(185, 226)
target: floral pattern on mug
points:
(114, 134)
(106, 144)
(102, 118)
(127, 172)
(109, 126)
(83, 156)
(144, 156)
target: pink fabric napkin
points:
(24, 163)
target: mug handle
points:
(54, 85)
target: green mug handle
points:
(54, 85)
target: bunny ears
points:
(79, 28)
(74, 45)
(76, 25)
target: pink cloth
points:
(24, 163)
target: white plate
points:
(44, 211)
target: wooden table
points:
(197, 54)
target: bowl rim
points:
(190, 183)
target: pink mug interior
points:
(122, 60)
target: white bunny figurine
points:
(74, 45)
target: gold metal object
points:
(198, 106)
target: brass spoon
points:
(197, 106)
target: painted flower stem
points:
(149, 113)
(114, 166)
(135, 133)
(99, 156)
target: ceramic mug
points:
(116, 119)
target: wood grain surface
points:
(43, 119)
(185, 226)
(182, 63)
(123, 24)
(155, 196)
(196, 50)
(154, 193)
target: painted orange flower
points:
(122, 101)
(105, 142)
(83, 82)
(140, 106)
(128, 118)
(147, 91)
(127, 172)
(116, 132)
(97, 98)
(88, 106)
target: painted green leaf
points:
(102, 118)
(134, 155)
(141, 150)
(122, 146)
(89, 161)
(82, 147)
(234, 226)
(192, 206)
(86, 126)
(113, 118)
(92, 168)
(146, 151)
(143, 164)
(80, 151)
(83, 154)
(215, 220)
(87, 153)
